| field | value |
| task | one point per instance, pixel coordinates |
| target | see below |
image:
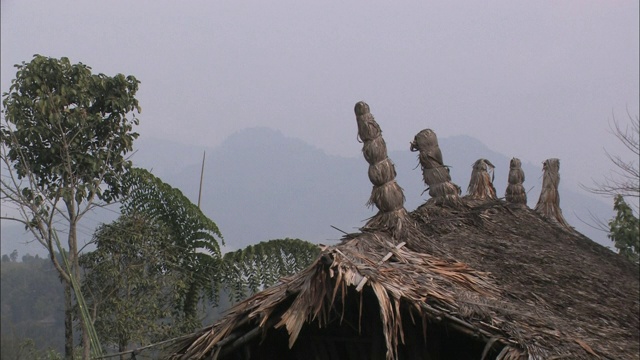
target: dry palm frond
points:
(445, 190)
(515, 193)
(387, 197)
(518, 303)
(481, 183)
(374, 150)
(549, 202)
(397, 222)
(430, 158)
(511, 353)
(386, 194)
(435, 176)
(393, 272)
(382, 172)
(434, 173)
(368, 128)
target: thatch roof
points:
(517, 284)
(562, 294)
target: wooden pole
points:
(204, 153)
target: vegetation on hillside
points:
(32, 316)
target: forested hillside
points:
(32, 306)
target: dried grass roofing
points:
(499, 271)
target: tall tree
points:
(129, 280)
(64, 139)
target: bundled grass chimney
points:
(481, 183)
(434, 173)
(549, 203)
(515, 193)
(386, 194)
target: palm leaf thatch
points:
(569, 299)
(483, 280)
(434, 173)
(386, 194)
(549, 202)
(515, 193)
(481, 183)
(371, 260)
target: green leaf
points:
(624, 230)
(261, 265)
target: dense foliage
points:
(67, 128)
(193, 237)
(162, 258)
(248, 270)
(624, 230)
(127, 281)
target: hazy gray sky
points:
(532, 79)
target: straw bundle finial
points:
(434, 172)
(515, 193)
(481, 183)
(549, 202)
(386, 194)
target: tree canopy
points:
(64, 140)
(67, 127)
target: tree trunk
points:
(75, 272)
(74, 265)
(122, 347)
(191, 300)
(68, 322)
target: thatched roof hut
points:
(482, 280)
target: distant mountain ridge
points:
(261, 185)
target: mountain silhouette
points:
(261, 185)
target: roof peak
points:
(386, 194)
